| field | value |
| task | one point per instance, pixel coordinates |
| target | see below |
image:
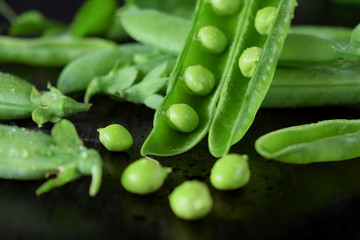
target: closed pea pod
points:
(33, 155)
(330, 140)
(144, 176)
(242, 96)
(50, 51)
(191, 200)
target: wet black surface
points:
(281, 201)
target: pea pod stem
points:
(20, 99)
(330, 140)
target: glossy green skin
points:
(241, 96)
(212, 39)
(330, 140)
(77, 75)
(144, 176)
(33, 155)
(230, 172)
(191, 200)
(225, 7)
(165, 141)
(115, 138)
(199, 80)
(182, 117)
(50, 51)
(264, 20)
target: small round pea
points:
(199, 80)
(225, 7)
(264, 20)
(182, 117)
(115, 138)
(144, 176)
(230, 172)
(249, 60)
(212, 39)
(191, 200)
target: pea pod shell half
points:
(330, 140)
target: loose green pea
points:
(191, 200)
(230, 172)
(212, 39)
(115, 138)
(144, 176)
(199, 80)
(182, 117)
(225, 7)
(264, 20)
(249, 60)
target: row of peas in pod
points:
(221, 76)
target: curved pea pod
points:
(165, 140)
(49, 51)
(311, 87)
(330, 140)
(77, 75)
(244, 91)
(33, 155)
(20, 99)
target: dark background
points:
(281, 201)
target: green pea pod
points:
(323, 31)
(311, 87)
(157, 31)
(77, 75)
(33, 155)
(93, 18)
(20, 99)
(33, 22)
(242, 96)
(330, 140)
(50, 51)
(164, 140)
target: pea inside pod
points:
(330, 140)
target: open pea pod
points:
(209, 57)
(249, 73)
(330, 140)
